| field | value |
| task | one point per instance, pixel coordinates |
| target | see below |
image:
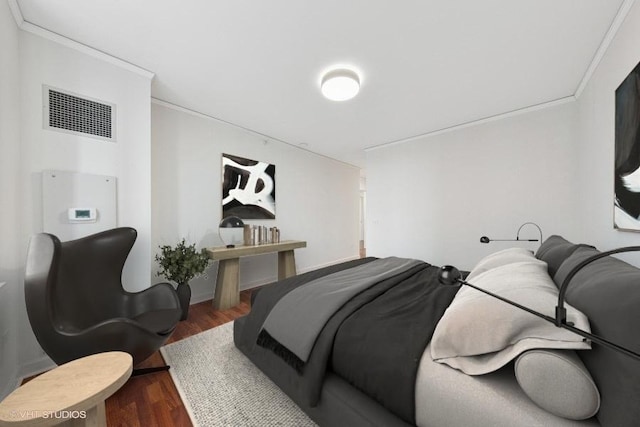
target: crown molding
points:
(16, 12)
(472, 123)
(623, 11)
(265, 138)
(72, 44)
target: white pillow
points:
(500, 258)
(479, 334)
(558, 382)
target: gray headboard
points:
(608, 292)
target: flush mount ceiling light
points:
(340, 84)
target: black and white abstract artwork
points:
(627, 153)
(248, 188)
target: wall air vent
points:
(72, 113)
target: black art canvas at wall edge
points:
(248, 188)
(627, 153)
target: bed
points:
(399, 349)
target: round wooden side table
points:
(72, 394)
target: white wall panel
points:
(62, 190)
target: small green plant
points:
(182, 262)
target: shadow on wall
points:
(12, 318)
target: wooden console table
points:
(71, 395)
(227, 292)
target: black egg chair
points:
(77, 305)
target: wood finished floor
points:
(152, 400)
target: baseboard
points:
(44, 363)
(201, 297)
(327, 264)
(9, 385)
(35, 367)
(208, 294)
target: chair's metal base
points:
(144, 371)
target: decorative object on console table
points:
(275, 235)
(260, 234)
(248, 188)
(231, 231)
(180, 264)
(248, 234)
(485, 239)
(227, 292)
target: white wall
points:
(434, 197)
(10, 259)
(596, 132)
(552, 166)
(431, 198)
(316, 197)
(46, 62)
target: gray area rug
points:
(219, 386)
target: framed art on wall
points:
(627, 154)
(248, 188)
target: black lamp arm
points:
(485, 239)
(451, 276)
(513, 240)
(522, 307)
(561, 312)
(529, 240)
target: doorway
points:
(363, 204)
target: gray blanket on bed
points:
(297, 319)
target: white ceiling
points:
(425, 65)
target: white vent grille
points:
(76, 114)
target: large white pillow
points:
(500, 258)
(479, 334)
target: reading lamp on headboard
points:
(485, 239)
(449, 275)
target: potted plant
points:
(180, 264)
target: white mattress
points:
(446, 397)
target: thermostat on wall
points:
(82, 215)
